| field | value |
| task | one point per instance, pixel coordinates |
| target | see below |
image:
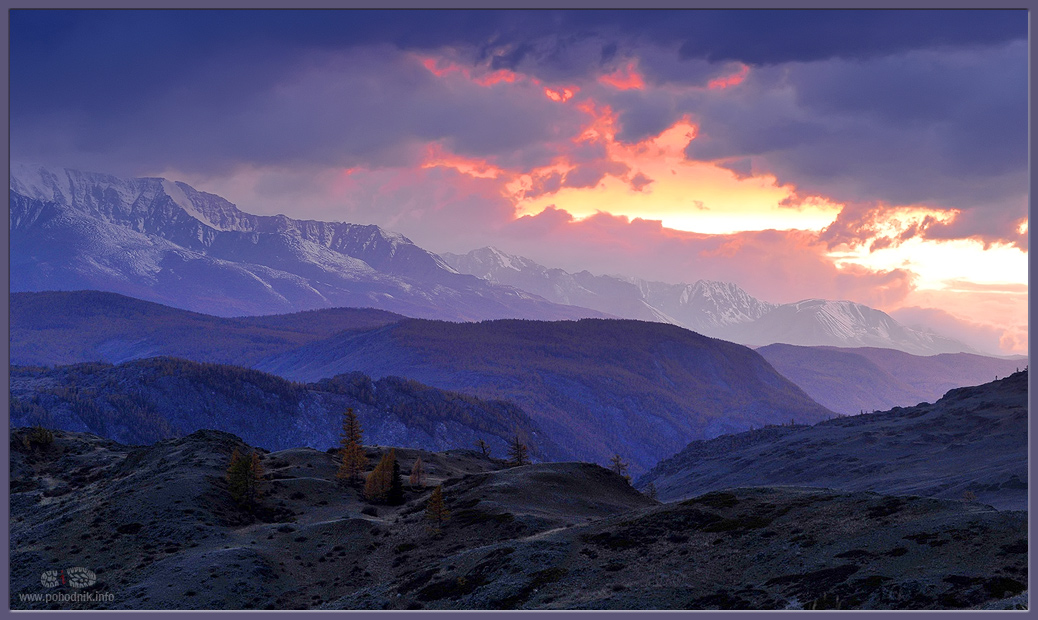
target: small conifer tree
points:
(484, 447)
(351, 453)
(650, 492)
(417, 477)
(517, 453)
(435, 509)
(243, 478)
(618, 465)
(395, 495)
(380, 480)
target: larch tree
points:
(380, 480)
(518, 453)
(395, 495)
(417, 477)
(651, 493)
(618, 466)
(243, 478)
(484, 447)
(435, 509)
(351, 451)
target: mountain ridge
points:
(974, 440)
(713, 308)
(165, 241)
(598, 386)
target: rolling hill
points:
(974, 439)
(852, 381)
(597, 387)
(57, 327)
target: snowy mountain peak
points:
(715, 308)
(165, 241)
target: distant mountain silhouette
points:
(51, 328)
(865, 379)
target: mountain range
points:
(163, 241)
(717, 309)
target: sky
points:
(875, 156)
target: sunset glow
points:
(886, 169)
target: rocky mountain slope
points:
(865, 379)
(717, 309)
(597, 387)
(164, 241)
(155, 528)
(144, 401)
(972, 440)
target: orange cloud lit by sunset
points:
(601, 194)
(686, 195)
(730, 80)
(624, 78)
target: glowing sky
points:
(874, 156)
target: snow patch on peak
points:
(180, 198)
(505, 260)
(39, 182)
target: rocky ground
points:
(159, 529)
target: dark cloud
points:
(591, 174)
(642, 114)
(863, 106)
(640, 182)
(370, 106)
(774, 37)
(127, 55)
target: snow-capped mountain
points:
(164, 241)
(607, 294)
(704, 306)
(844, 324)
(717, 309)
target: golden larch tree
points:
(435, 509)
(351, 453)
(380, 480)
(417, 477)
